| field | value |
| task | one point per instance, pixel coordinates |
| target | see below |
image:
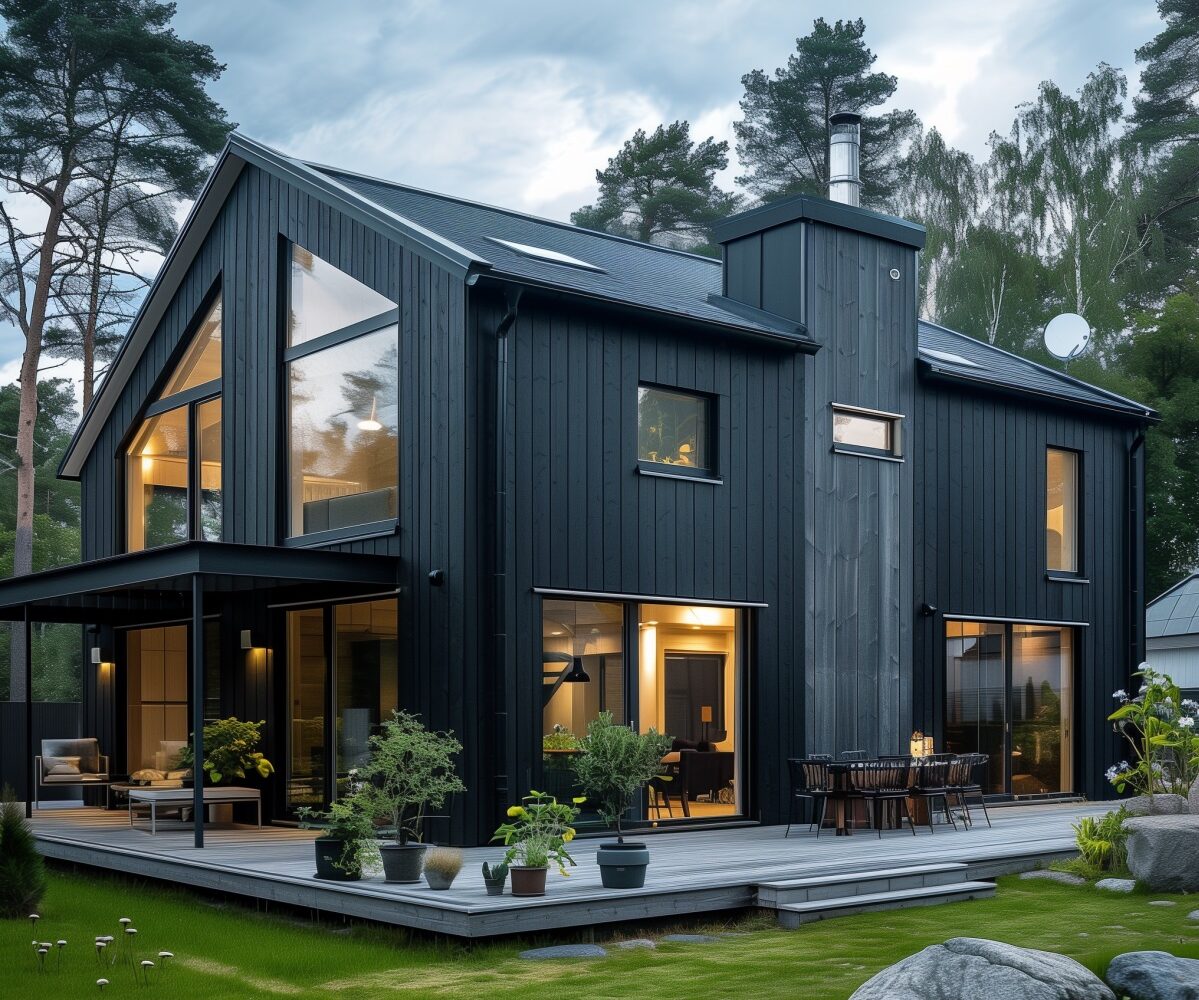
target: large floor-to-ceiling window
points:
(343, 680)
(670, 667)
(1009, 694)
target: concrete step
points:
(795, 914)
(802, 890)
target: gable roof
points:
(957, 357)
(1176, 612)
(475, 241)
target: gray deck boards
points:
(691, 872)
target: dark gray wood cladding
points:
(980, 547)
(581, 518)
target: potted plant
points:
(494, 877)
(442, 865)
(410, 769)
(537, 833)
(344, 847)
(230, 756)
(614, 765)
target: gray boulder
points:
(1193, 798)
(1162, 852)
(559, 952)
(978, 969)
(1154, 975)
(1163, 804)
(1116, 884)
(1050, 875)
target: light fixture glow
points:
(370, 423)
(246, 642)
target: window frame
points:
(1078, 574)
(709, 473)
(191, 399)
(334, 338)
(896, 420)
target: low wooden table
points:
(180, 798)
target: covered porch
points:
(692, 873)
(234, 588)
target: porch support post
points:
(28, 669)
(198, 707)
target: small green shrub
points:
(22, 871)
(1103, 842)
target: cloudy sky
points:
(518, 103)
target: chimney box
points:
(844, 158)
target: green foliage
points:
(410, 769)
(661, 188)
(538, 831)
(229, 751)
(615, 764)
(559, 738)
(345, 820)
(1167, 108)
(496, 872)
(1103, 842)
(1163, 730)
(22, 871)
(783, 137)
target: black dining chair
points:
(854, 755)
(932, 783)
(965, 783)
(827, 758)
(809, 783)
(885, 783)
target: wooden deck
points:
(691, 872)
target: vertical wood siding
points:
(980, 546)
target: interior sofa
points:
(70, 763)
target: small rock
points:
(1154, 975)
(1193, 915)
(636, 943)
(1162, 902)
(1116, 884)
(1083, 934)
(1066, 878)
(977, 969)
(1193, 798)
(1163, 804)
(689, 938)
(564, 951)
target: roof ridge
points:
(557, 223)
(1064, 376)
(1174, 586)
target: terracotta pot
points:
(528, 881)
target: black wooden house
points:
(367, 446)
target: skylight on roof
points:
(955, 359)
(551, 256)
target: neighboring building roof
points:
(1176, 612)
(956, 356)
(475, 241)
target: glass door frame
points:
(1009, 626)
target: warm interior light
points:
(705, 713)
(370, 423)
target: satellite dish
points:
(1067, 336)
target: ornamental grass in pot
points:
(537, 833)
(410, 769)
(614, 764)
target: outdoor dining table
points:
(841, 786)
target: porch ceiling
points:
(158, 582)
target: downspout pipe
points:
(1136, 550)
(500, 586)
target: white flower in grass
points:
(101, 983)
(1187, 722)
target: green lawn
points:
(226, 951)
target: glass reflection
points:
(156, 488)
(325, 298)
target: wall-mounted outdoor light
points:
(246, 640)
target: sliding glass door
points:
(1009, 694)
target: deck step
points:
(794, 914)
(802, 890)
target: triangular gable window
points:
(324, 299)
(201, 363)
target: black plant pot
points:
(402, 862)
(328, 854)
(622, 866)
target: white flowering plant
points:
(1159, 725)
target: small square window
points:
(674, 430)
(867, 432)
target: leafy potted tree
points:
(231, 755)
(345, 847)
(409, 770)
(614, 765)
(537, 833)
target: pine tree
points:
(22, 871)
(783, 138)
(660, 188)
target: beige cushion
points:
(147, 774)
(65, 766)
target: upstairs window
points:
(674, 431)
(172, 495)
(1061, 510)
(866, 432)
(343, 423)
